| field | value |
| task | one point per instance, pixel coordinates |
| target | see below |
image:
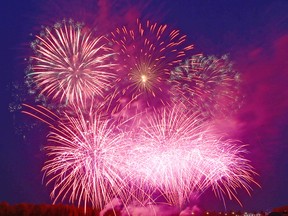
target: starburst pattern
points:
(146, 53)
(70, 64)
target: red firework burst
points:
(146, 53)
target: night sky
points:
(253, 33)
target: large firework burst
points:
(182, 155)
(70, 64)
(146, 53)
(86, 159)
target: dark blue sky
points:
(254, 33)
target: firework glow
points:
(161, 142)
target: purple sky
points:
(253, 33)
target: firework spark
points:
(70, 64)
(207, 83)
(146, 53)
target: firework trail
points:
(70, 64)
(182, 155)
(146, 53)
(207, 83)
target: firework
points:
(207, 83)
(160, 140)
(172, 152)
(70, 64)
(146, 53)
(86, 159)
(182, 155)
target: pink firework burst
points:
(86, 160)
(207, 83)
(146, 53)
(181, 155)
(172, 151)
(70, 64)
